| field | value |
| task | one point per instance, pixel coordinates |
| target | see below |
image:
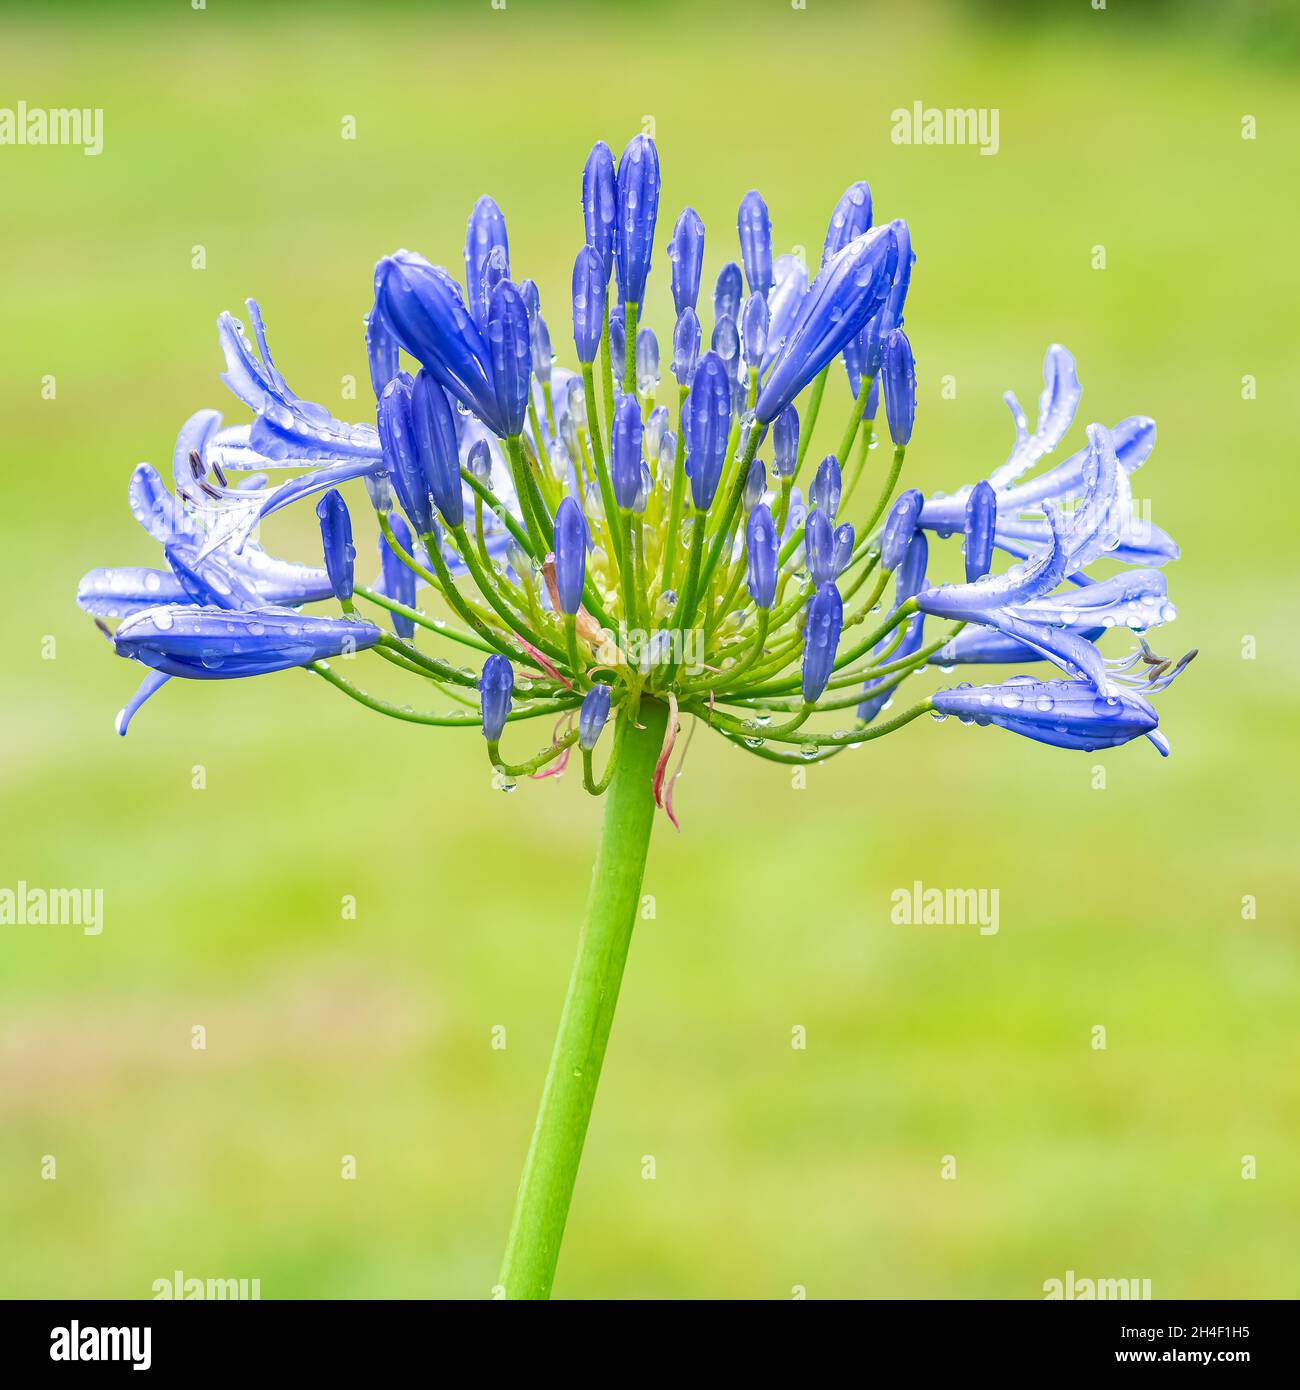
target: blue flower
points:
(899, 526)
(485, 234)
(336, 541)
(708, 423)
(785, 442)
(589, 280)
(496, 686)
(754, 224)
(570, 554)
(827, 487)
(728, 293)
(592, 716)
(760, 547)
(398, 578)
(510, 346)
(852, 217)
(637, 198)
(909, 580)
(625, 469)
(423, 306)
(686, 260)
(821, 639)
(401, 453)
(438, 449)
(981, 521)
(686, 347)
(220, 644)
(851, 287)
(1064, 713)
(898, 370)
(599, 206)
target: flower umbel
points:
(615, 552)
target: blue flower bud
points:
(398, 579)
(754, 319)
(726, 343)
(850, 289)
(686, 255)
(785, 442)
(909, 579)
(381, 351)
(336, 541)
(755, 484)
(899, 526)
(637, 197)
(819, 546)
(827, 486)
(512, 355)
(617, 343)
(496, 686)
(655, 428)
(484, 234)
(760, 547)
(644, 486)
(589, 280)
(862, 354)
(625, 469)
(592, 716)
(898, 368)
(872, 408)
(686, 346)
(852, 217)
(821, 637)
(479, 462)
(570, 554)
(667, 456)
(225, 644)
(532, 298)
(647, 360)
(1063, 713)
(438, 452)
(401, 452)
(981, 519)
(728, 292)
(844, 537)
(708, 411)
(422, 305)
(893, 315)
(755, 227)
(599, 207)
(543, 356)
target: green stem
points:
(551, 1168)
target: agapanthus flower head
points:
(577, 528)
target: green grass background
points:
(775, 1168)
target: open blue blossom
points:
(585, 530)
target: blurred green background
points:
(776, 1168)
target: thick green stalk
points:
(551, 1168)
